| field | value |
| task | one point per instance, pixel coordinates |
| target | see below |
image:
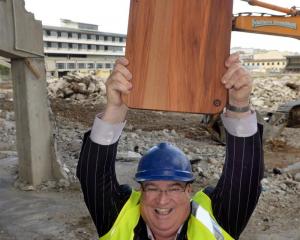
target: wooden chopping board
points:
(177, 50)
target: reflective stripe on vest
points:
(201, 224)
(203, 216)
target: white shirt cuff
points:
(105, 133)
(243, 127)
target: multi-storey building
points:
(79, 46)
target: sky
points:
(112, 16)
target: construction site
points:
(43, 118)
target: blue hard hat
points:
(164, 162)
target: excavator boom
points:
(290, 11)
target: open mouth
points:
(163, 211)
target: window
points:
(121, 39)
(79, 35)
(90, 65)
(49, 45)
(89, 46)
(97, 37)
(48, 33)
(59, 45)
(105, 48)
(69, 35)
(97, 47)
(105, 38)
(71, 65)
(79, 46)
(113, 39)
(107, 65)
(89, 36)
(70, 45)
(99, 65)
(60, 65)
(272, 63)
(278, 63)
(59, 34)
(81, 65)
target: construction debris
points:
(273, 91)
(268, 93)
(78, 87)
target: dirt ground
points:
(61, 214)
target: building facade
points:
(272, 62)
(293, 64)
(79, 46)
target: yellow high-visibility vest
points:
(201, 224)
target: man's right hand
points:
(117, 84)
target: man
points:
(163, 208)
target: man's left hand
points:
(238, 82)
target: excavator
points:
(287, 25)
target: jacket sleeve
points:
(103, 195)
(237, 192)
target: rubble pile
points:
(270, 92)
(78, 86)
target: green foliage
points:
(4, 70)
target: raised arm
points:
(103, 195)
(237, 192)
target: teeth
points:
(163, 211)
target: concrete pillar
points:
(35, 142)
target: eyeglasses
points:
(173, 191)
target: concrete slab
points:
(44, 215)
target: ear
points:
(189, 189)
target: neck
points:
(165, 238)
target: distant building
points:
(293, 63)
(272, 61)
(79, 46)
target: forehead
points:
(163, 183)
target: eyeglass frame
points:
(168, 191)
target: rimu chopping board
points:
(177, 50)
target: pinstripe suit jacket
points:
(233, 198)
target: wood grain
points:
(177, 50)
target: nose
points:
(163, 197)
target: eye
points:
(151, 189)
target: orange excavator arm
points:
(287, 25)
(290, 11)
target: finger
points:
(119, 78)
(120, 87)
(228, 75)
(233, 58)
(235, 74)
(240, 76)
(123, 70)
(122, 60)
(241, 82)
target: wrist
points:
(115, 114)
(239, 104)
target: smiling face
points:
(165, 205)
